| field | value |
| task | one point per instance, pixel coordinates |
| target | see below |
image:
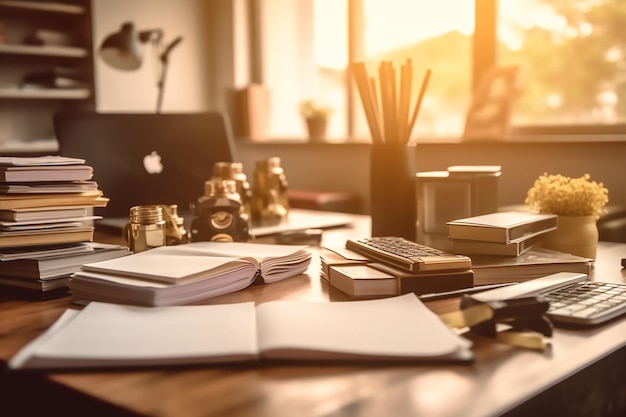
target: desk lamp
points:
(122, 50)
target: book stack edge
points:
(359, 277)
(46, 229)
(507, 233)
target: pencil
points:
(419, 103)
(386, 100)
(367, 99)
(405, 101)
(375, 100)
(393, 103)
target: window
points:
(572, 54)
(434, 34)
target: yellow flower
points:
(565, 196)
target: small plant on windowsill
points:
(316, 117)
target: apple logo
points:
(152, 163)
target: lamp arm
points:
(166, 52)
(161, 87)
(164, 62)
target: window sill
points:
(514, 139)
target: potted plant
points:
(578, 202)
(316, 118)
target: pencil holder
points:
(393, 205)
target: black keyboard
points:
(408, 256)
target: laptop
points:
(146, 158)
(160, 159)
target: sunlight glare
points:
(392, 24)
(389, 24)
(330, 18)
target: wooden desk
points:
(582, 374)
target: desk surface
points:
(585, 365)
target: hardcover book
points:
(502, 227)
(45, 173)
(43, 169)
(377, 280)
(339, 257)
(48, 187)
(42, 213)
(93, 198)
(362, 281)
(110, 335)
(51, 236)
(476, 247)
(534, 263)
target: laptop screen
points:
(147, 158)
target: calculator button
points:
(585, 312)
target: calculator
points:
(573, 298)
(407, 255)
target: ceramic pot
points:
(577, 235)
(317, 128)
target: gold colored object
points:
(270, 204)
(479, 313)
(234, 171)
(221, 220)
(146, 228)
(219, 214)
(175, 232)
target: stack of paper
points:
(45, 212)
(508, 233)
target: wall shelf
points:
(43, 44)
(58, 51)
(45, 93)
(43, 7)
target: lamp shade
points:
(121, 50)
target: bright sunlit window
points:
(434, 34)
(571, 52)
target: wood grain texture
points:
(501, 378)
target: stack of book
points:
(46, 270)
(505, 247)
(360, 277)
(508, 233)
(45, 221)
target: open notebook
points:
(110, 335)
